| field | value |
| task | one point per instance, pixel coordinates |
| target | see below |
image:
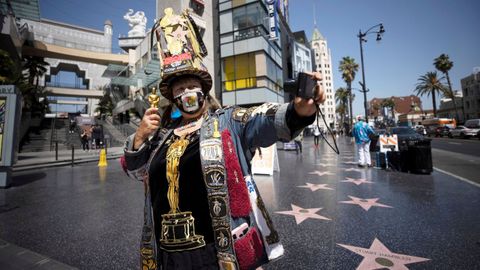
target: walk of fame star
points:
(357, 181)
(319, 173)
(324, 165)
(366, 204)
(354, 170)
(378, 256)
(315, 187)
(302, 214)
(350, 163)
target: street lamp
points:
(361, 38)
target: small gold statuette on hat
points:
(153, 98)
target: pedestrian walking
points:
(198, 215)
(362, 131)
(84, 141)
(316, 135)
(298, 143)
(72, 126)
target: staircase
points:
(116, 134)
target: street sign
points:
(388, 143)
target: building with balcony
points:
(250, 53)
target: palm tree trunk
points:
(392, 109)
(349, 86)
(453, 96)
(434, 104)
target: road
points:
(459, 157)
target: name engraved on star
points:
(394, 256)
(370, 252)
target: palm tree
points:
(428, 84)
(341, 97)
(31, 92)
(105, 105)
(36, 68)
(443, 64)
(348, 68)
(390, 104)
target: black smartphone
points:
(305, 86)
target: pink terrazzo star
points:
(350, 163)
(366, 204)
(302, 214)
(319, 173)
(325, 165)
(315, 187)
(357, 181)
(378, 256)
(354, 170)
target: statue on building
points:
(137, 23)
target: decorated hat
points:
(181, 51)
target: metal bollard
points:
(73, 154)
(56, 150)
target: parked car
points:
(407, 136)
(463, 132)
(420, 129)
(473, 123)
(442, 131)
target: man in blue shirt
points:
(361, 132)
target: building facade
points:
(68, 80)
(302, 59)
(323, 64)
(447, 110)
(250, 60)
(471, 94)
(403, 105)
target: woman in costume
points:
(202, 208)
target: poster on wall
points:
(3, 103)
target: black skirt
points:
(204, 258)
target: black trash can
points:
(398, 161)
(380, 160)
(373, 143)
(420, 157)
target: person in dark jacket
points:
(202, 207)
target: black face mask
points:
(190, 101)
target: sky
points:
(417, 31)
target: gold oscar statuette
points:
(178, 228)
(153, 98)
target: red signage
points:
(177, 58)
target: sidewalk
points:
(34, 160)
(328, 213)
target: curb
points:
(59, 163)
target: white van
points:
(473, 123)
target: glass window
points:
(239, 72)
(226, 22)
(248, 16)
